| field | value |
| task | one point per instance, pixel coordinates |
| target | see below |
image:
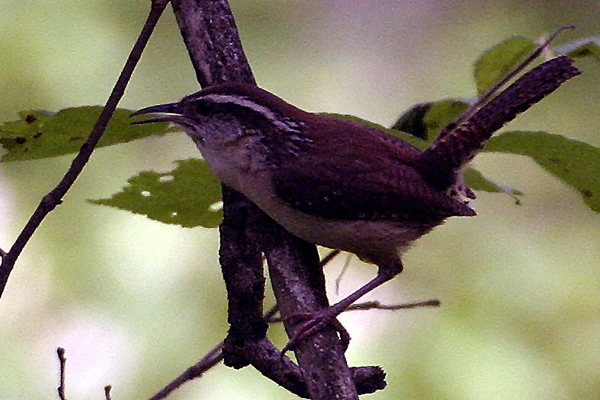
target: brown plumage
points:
(341, 184)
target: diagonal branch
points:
(54, 198)
(367, 379)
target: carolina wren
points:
(338, 183)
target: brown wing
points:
(369, 178)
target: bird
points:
(341, 184)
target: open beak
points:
(170, 109)
(169, 113)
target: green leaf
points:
(425, 120)
(188, 196)
(586, 47)
(496, 62)
(413, 121)
(40, 134)
(576, 163)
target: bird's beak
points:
(169, 111)
(165, 113)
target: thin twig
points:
(488, 94)
(54, 198)
(338, 279)
(375, 305)
(107, 392)
(63, 362)
(211, 359)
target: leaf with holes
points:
(188, 196)
(42, 134)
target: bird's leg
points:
(316, 321)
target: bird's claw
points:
(314, 323)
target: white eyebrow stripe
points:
(244, 102)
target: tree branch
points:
(212, 40)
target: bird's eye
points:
(198, 140)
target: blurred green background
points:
(135, 302)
